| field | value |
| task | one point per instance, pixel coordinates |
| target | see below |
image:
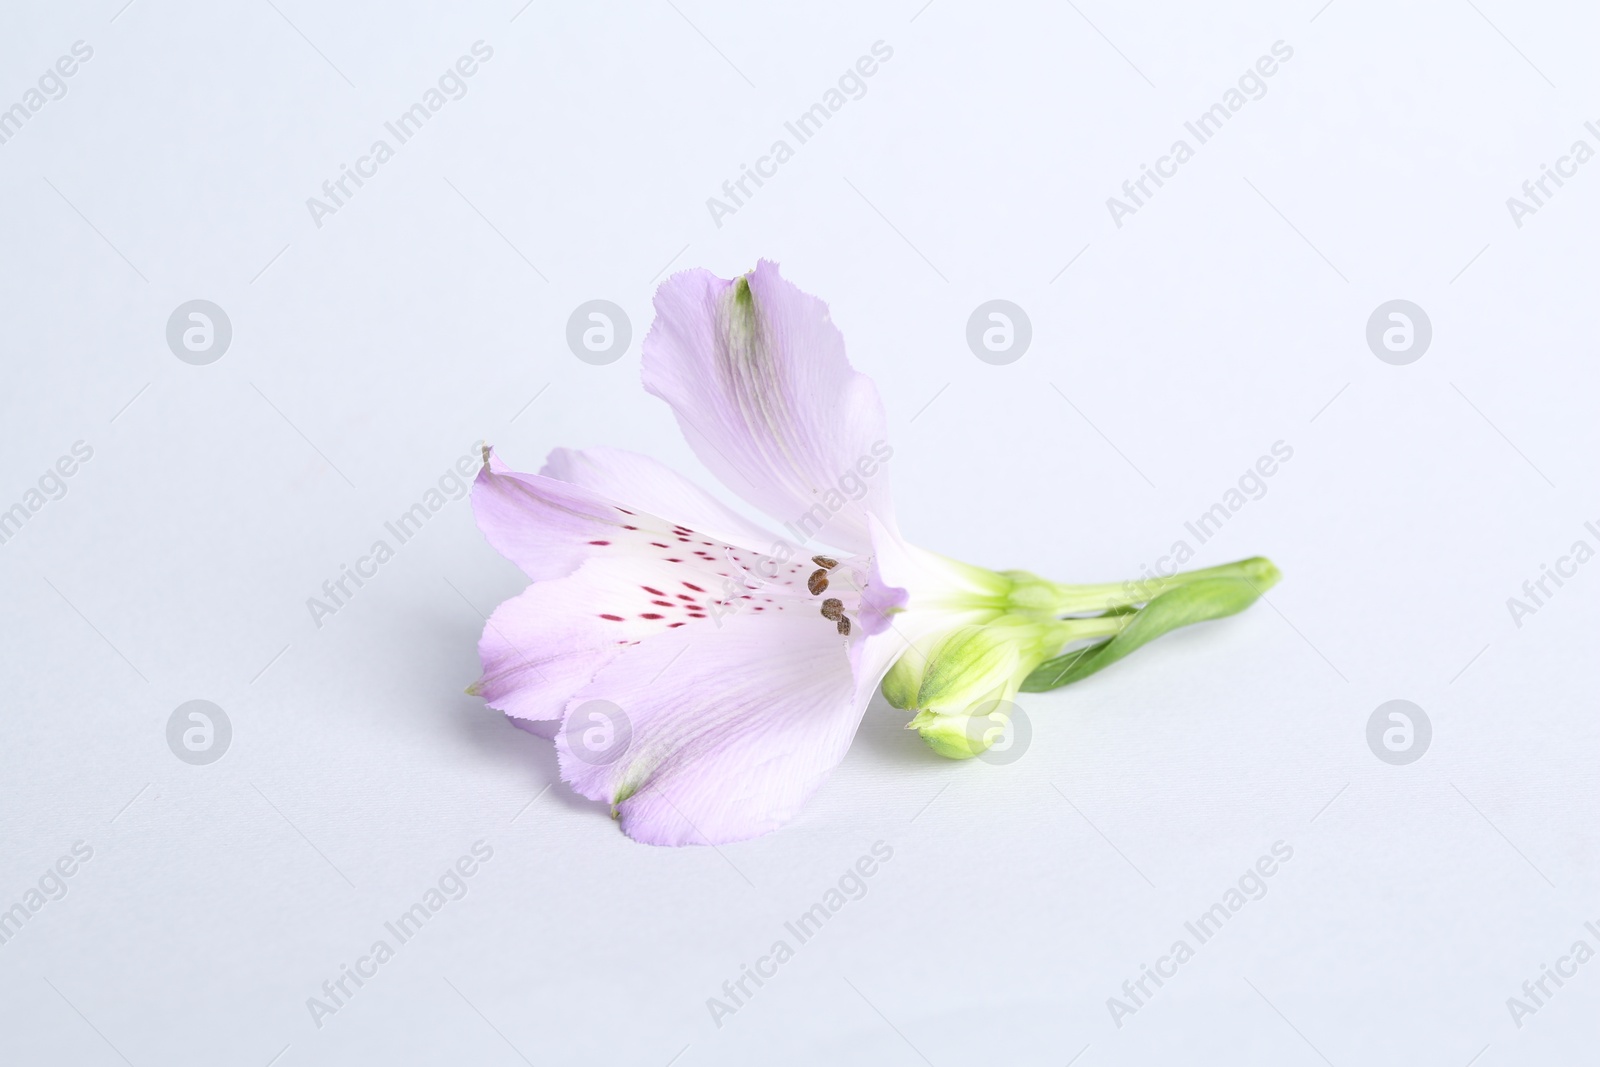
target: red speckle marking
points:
(686, 596)
(674, 625)
(599, 542)
(630, 527)
(652, 589)
(658, 544)
(671, 560)
(664, 603)
(697, 615)
(691, 585)
(613, 618)
(651, 615)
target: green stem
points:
(1111, 596)
(1197, 596)
(1064, 632)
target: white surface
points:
(178, 564)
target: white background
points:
(369, 354)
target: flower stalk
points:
(1045, 635)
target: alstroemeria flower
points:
(741, 659)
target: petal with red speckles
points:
(655, 487)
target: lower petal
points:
(731, 730)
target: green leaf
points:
(1209, 598)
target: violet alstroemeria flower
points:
(742, 660)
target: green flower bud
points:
(900, 685)
(951, 736)
(954, 670)
(975, 731)
(956, 680)
(968, 665)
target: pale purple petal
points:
(545, 728)
(731, 730)
(544, 525)
(757, 374)
(643, 578)
(652, 486)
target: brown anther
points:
(817, 582)
(824, 562)
(844, 625)
(832, 608)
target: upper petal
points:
(543, 525)
(757, 375)
(654, 487)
